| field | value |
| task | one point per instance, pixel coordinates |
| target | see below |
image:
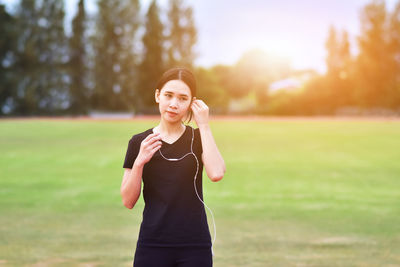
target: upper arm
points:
(131, 153)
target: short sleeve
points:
(197, 138)
(131, 153)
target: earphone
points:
(194, 182)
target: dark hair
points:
(182, 74)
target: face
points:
(174, 100)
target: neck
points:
(170, 128)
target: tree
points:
(333, 61)
(77, 69)
(394, 51)
(338, 53)
(182, 35)
(344, 52)
(152, 65)
(223, 74)
(115, 63)
(41, 56)
(373, 62)
(8, 80)
(211, 89)
(337, 90)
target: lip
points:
(171, 113)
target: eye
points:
(168, 95)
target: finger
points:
(201, 103)
(157, 143)
(195, 104)
(150, 136)
(194, 108)
(153, 139)
(155, 149)
(203, 107)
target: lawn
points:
(295, 193)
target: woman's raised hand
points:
(200, 111)
(148, 147)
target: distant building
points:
(292, 83)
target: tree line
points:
(365, 81)
(105, 64)
(112, 60)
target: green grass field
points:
(295, 193)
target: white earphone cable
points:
(194, 182)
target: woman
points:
(170, 158)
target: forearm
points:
(212, 158)
(130, 190)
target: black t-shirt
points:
(173, 215)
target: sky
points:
(292, 29)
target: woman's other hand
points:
(148, 147)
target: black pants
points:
(172, 257)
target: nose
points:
(173, 103)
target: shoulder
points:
(197, 136)
(195, 130)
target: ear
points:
(157, 96)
